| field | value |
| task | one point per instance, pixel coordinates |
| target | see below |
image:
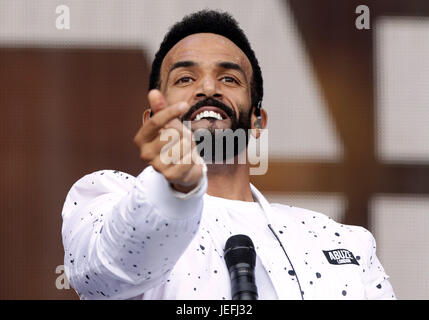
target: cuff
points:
(154, 188)
(201, 185)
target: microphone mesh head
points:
(239, 249)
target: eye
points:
(184, 80)
(228, 79)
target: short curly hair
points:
(209, 21)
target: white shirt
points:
(129, 237)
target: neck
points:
(229, 181)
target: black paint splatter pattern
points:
(122, 233)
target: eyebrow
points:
(232, 66)
(223, 65)
(182, 64)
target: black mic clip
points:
(258, 115)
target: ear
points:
(264, 119)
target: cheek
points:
(174, 95)
(241, 100)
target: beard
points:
(225, 144)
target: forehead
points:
(205, 48)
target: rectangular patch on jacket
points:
(340, 256)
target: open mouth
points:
(209, 113)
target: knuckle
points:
(146, 154)
(138, 137)
(192, 176)
(154, 122)
(187, 180)
(170, 175)
(172, 110)
(136, 141)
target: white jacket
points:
(129, 237)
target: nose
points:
(208, 88)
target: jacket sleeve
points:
(377, 285)
(123, 235)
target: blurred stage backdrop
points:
(348, 118)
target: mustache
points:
(209, 102)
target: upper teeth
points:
(208, 114)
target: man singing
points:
(161, 235)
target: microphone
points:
(240, 258)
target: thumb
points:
(156, 100)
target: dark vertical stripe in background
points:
(64, 113)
